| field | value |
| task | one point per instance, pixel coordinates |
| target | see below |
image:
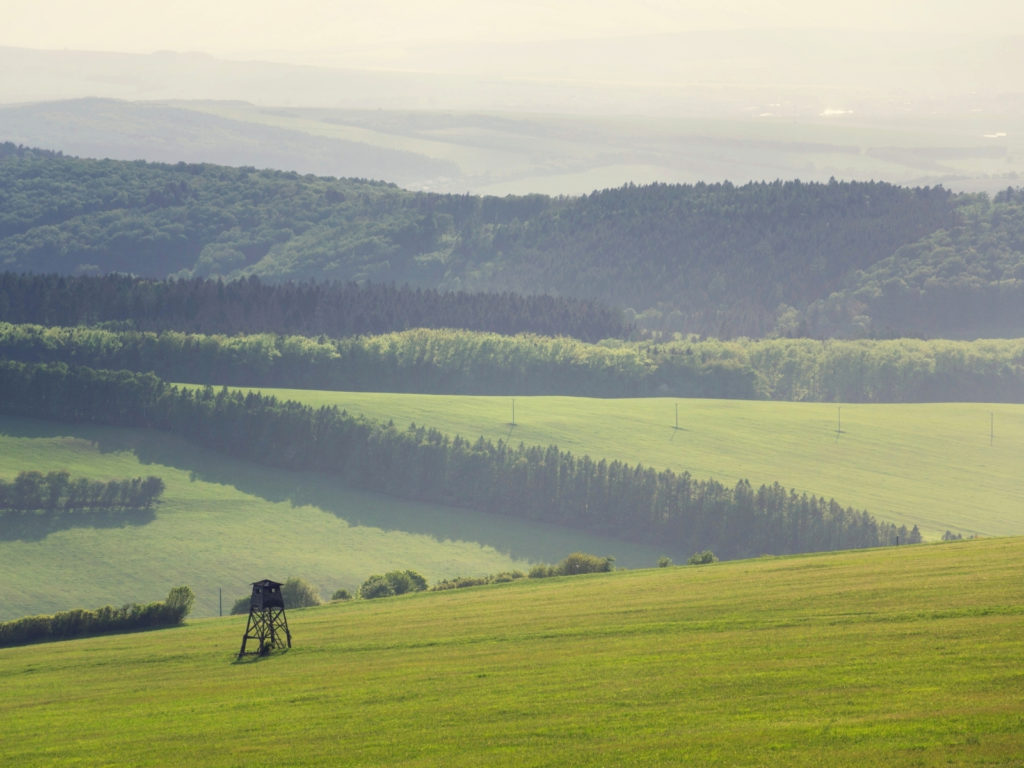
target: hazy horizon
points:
(913, 92)
(391, 33)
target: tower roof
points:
(267, 583)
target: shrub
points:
(180, 601)
(392, 583)
(664, 561)
(241, 605)
(577, 562)
(341, 594)
(702, 558)
(475, 581)
(581, 562)
(298, 593)
(542, 571)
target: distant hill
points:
(505, 152)
(784, 257)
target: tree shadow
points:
(517, 538)
(37, 525)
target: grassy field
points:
(223, 524)
(954, 466)
(896, 657)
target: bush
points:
(664, 561)
(392, 583)
(241, 605)
(341, 594)
(581, 562)
(180, 601)
(475, 581)
(298, 593)
(542, 571)
(577, 562)
(702, 558)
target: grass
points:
(930, 465)
(222, 524)
(896, 657)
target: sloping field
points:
(940, 466)
(223, 524)
(899, 657)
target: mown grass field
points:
(941, 466)
(899, 657)
(222, 524)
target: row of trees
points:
(466, 362)
(309, 308)
(57, 491)
(84, 623)
(545, 484)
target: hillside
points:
(895, 657)
(223, 523)
(941, 466)
(714, 259)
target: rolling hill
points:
(223, 523)
(768, 258)
(941, 466)
(899, 657)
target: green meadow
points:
(222, 524)
(899, 657)
(940, 466)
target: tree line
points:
(312, 308)
(79, 622)
(58, 492)
(467, 362)
(545, 484)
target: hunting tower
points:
(267, 623)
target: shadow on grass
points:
(36, 526)
(519, 539)
(255, 658)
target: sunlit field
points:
(222, 524)
(941, 466)
(899, 657)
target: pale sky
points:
(300, 30)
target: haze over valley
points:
(596, 382)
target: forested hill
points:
(843, 258)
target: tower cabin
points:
(267, 624)
(266, 594)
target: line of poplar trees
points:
(633, 502)
(58, 492)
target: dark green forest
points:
(311, 308)
(845, 259)
(545, 484)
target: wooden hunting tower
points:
(267, 623)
